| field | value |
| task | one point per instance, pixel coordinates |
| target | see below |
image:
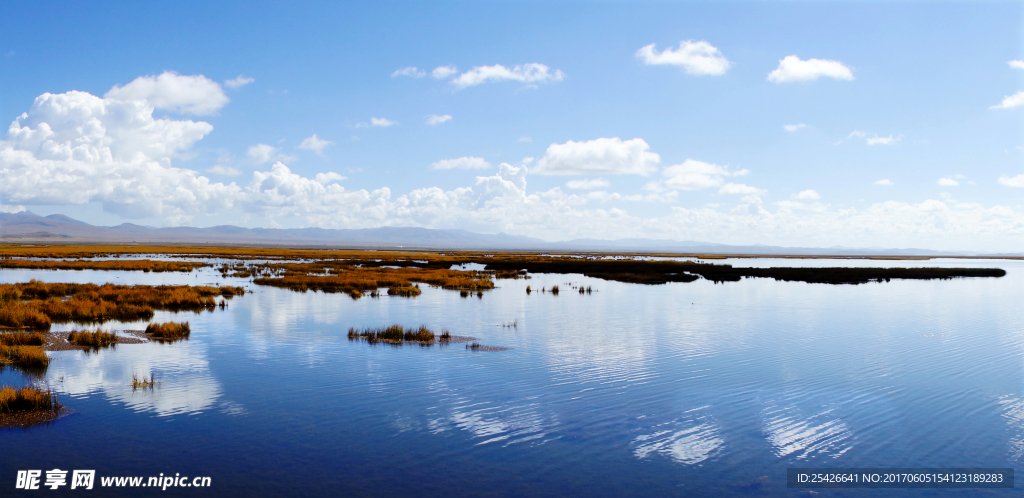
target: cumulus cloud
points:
(75, 148)
(1016, 64)
(1010, 101)
(533, 73)
(262, 153)
(462, 163)
(885, 182)
(442, 72)
(807, 195)
(948, 182)
(173, 92)
(220, 169)
(1012, 181)
(794, 127)
(315, 144)
(325, 178)
(411, 72)
(695, 175)
(436, 119)
(739, 189)
(239, 81)
(695, 57)
(602, 156)
(792, 69)
(591, 184)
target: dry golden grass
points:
(37, 304)
(27, 399)
(169, 331)
(396, 334)
(22, 339)
(32, 357)
(143, 382)
(144, 265)
(97, 339)
(399, 281)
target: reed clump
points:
(27, 399)
(170, 331)
(396, 334)
(22, 339)
(32, 357)
(97, 339)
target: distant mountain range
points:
(28, 227)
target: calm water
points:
(690, 389)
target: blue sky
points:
(897, 136)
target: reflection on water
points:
(678, 389)
(688, 440)
(185, 385)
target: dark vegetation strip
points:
(356, 281)
(660, 272)
(36, 305)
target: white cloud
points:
(524, 139)
(794, 127)
(875, 139)
(462, 163)
(792, 69)
(239, 81)
(220, 169)
(591, 184)
(75, 148)
(6, 208)
(315, 144)
(948, 182)
(525, 73)
(885, 182)
(1016, 64)
(173, 92)
(262, 153)
(411, 71)
(436, 119)
(807, 195)
(889, 140)
(696, 57)
(442, 72)
(739, 189)
(1012, 181)
(325, 178)
(695, 175)
(602, 156)
(1010, 101)
(377, 122)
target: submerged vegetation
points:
(169, 331)
(36, 305)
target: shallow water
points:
(678, 389)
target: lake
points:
(683, 389)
